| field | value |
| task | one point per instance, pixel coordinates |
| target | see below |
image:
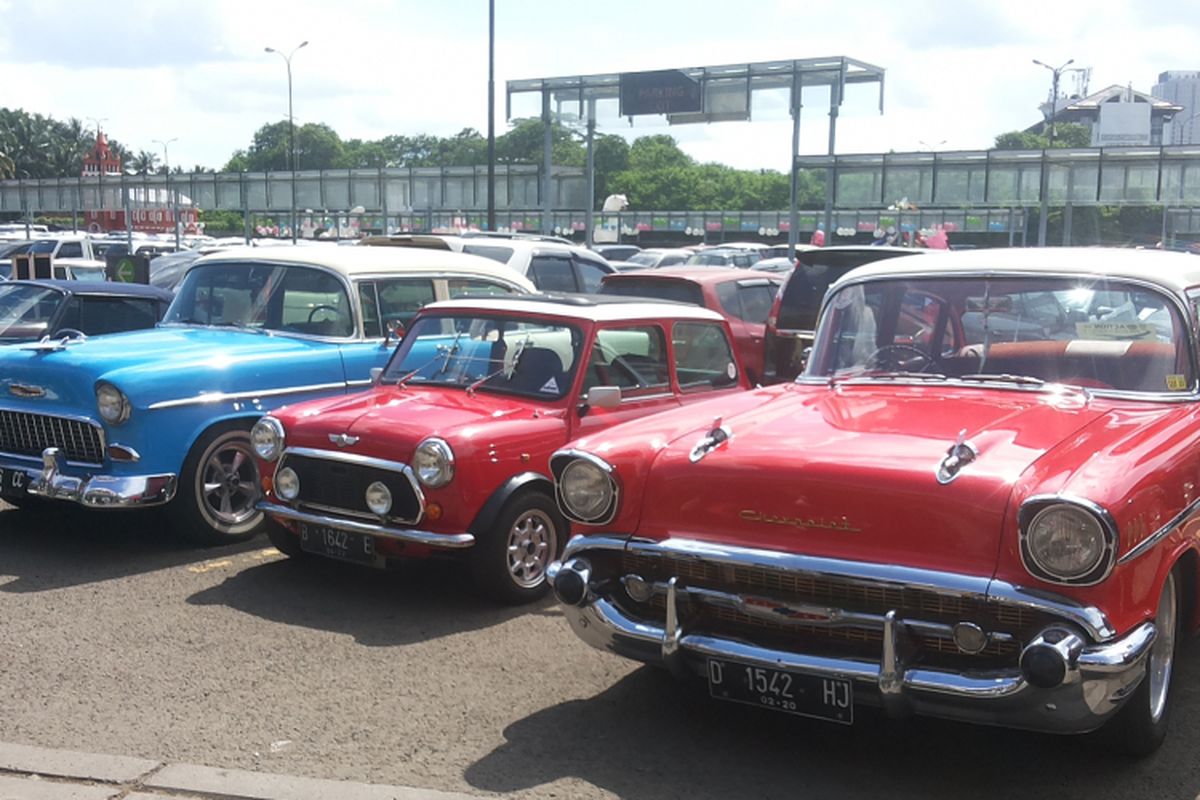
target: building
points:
(1118, 116)
(1181, 87)
(153, 209)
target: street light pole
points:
(1044, 188)
(172, 206)
(291, 126)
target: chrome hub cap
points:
(1163, 651)
(531, 543)
(229, 485)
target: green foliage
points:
(1066, 134)
(217, 223)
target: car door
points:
(633, 356)
(703, 361)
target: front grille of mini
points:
(25, 434)
(339, 487)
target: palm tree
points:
(144, 162)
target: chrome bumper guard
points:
(99, 491)
(446, 541)
(1095, 679)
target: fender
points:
(486, 518)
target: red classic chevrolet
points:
(980, 501)
(449, 450)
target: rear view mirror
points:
(603, 397)
(393, 330)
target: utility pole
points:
(1044, 187)
(291, 126)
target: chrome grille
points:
(25, 434)
(336, 486)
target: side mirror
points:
(394, 329)
(376, 372)
(805, 355)
(603, 397)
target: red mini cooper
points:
(450, 448)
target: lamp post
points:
(1044, 188)
(171, 205)
(287, 59)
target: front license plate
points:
(782, 690)
(14, 483)
(339, 544)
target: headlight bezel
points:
(278, 485)
(1034, 512)
(274, 427)
(124, 407)
(565, 460)
(441, 450)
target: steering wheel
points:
(313, 313)
(889, 355)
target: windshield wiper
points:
(887, 376)
(1019, 380)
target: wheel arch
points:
(1187, 567)
(228, 420)
(518, 484)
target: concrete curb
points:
(40, 773)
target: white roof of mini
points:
(1173, 271)
(357, 261)
(608, 309)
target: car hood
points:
(852, 473)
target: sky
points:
(957, 73)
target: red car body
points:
(742, 296)
(481, 403)
(978, 502)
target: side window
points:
(590, 276)
(400, 299)
(314, 302)
(703, 356)
(113, 314)
(70, 250)
(457, 287)
(500, 254)
(372, 327)
(634, 358)
(756, 301)
(552, 274)
(731, 303)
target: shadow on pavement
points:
(57, 547)
(415, 601)
(650, 737)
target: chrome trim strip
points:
(1143, 546)
(205, 398)
(1029, 510)
(952, 584)
(449, 541)
(366, 461)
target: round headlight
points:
(1066, 543)
(433, 463)
(585, 489)
(287, 483)
(379, 498)
(267, 438)
(112, 403)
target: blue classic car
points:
(163, 416)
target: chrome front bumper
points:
(1097, 677)
(447, 541)
(98, 491)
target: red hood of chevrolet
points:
(851, 473)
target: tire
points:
(283, 539)
(218, 488)
(1141, 725)
(509, 563)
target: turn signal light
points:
(267, 484)
(433, 511)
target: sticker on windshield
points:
(1116, 330)
(1177, 383)
(549, 387)
(731, 370)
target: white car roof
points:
(357, 261)
(1173, 271)
(593, 308)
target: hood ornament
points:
(343, 439)
(958, 456)
(25, 390)
(717, 436)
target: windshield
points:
(710, 259)
(1097, 334)
(679, 291)
(82, 273)
(528, 357)
(43, 246)
(25, 310)
(288, 298)
(644, 259)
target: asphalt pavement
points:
(239, 664)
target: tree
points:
(525, 143)
(1066, 134)
(144, 163)
(657, 152)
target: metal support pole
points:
(590, 215)
(491, 128)
(794, 202)
(1044, 184)
(835, 100)
(547, 149)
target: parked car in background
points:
(616, 252)
(930, 519)
(448, 451)
(551, 265)
(722, 257)
(743, 299)
(163, 416)
(72, 257)
(790, 325)
(32, 310)
(655, 257)
(781, 265)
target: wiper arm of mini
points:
(1020, 380)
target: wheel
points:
(282, 539)
(509, 562)
(889, 355)
(1141, 724)
(218, 488)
